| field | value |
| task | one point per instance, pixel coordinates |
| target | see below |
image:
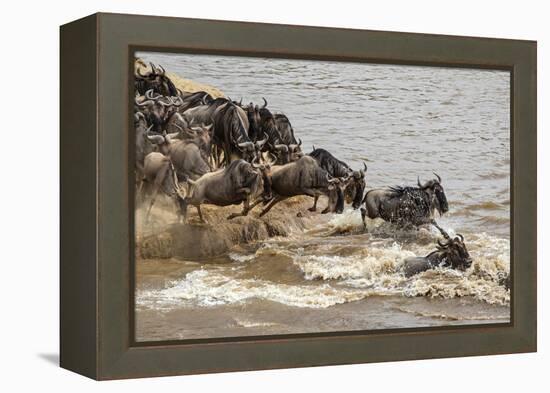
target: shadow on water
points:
(52, 358)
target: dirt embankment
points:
(164, 237)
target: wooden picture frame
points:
(97, 270)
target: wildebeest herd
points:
(199, 149)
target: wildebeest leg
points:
(443, 232)
(200, 214)
(314, 207)
(273, 202)
(244, 212)
(364, 217)
(159, 179)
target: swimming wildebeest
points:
(305, 177)
(337, 168)
(155, 80)
(239, 182)
(159, 175)
(407, 206)
(453, 253)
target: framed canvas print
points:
(239, 196)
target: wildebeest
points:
(192, 100)
(239, 182)
(186, 157)
(305, 177)
(407, 206)
(203, 113)
(155, 80)
(157, 109)
(159, 175)
(453, 253)
(231, 133)
(143, 146)
(286, 133)
(338, 168)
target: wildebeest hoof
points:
(324, 211)
(312, 209)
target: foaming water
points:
(338, 261)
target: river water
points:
(404, 122)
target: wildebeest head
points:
(295, 151)
(454, 253)
(265, 170)
(161, 140)
(253, 114)
(248, 150)
(156, 80)
(336, 188)
(436, 191)
(281, 152)
(357, 187)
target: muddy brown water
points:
(288, 274)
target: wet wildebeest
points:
(239, 182)
(185, 156)
(159, 175)
(155, 80)
(337, 168)
(453, 254)
(407, 206)
(305, 177)
(231, 133)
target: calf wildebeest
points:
(453, 253)
(337, 168)
(231, 133)
(159, 175)
(239, 182)
(185, 156)
(305, 177)
(407, 206)
(155, 80)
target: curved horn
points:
(265, 103)
(461, 237)
(418, 181)
(299, 142)
(242, 145)
(162, 70)
(263, 141)
(438, 177)
(138, 71)
(145, 103)
(364, 166)
(443, 245)
(156, 139)
(153, 68)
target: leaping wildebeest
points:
(337, 168)
(159, 175)
(408, 206)
(305, 177)
(239, 182)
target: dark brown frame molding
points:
(97, 267)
